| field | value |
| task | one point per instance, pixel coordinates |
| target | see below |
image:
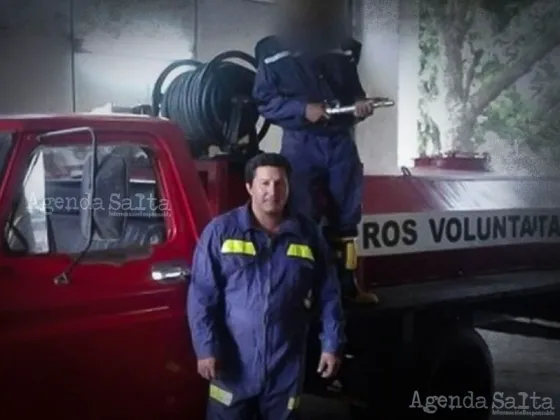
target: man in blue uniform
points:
(259, 275)
(308, 63)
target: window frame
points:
(9, 153)
(143, 141)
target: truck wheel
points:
(454, 377)
(439, 371)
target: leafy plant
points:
(472, 58)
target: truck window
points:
(47, 215)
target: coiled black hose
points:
(211, 103)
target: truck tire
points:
(454, 377)
(453, 362)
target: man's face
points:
(269, 190)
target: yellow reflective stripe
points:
(300, 251)
(237, 246)
(220, 395)
(293, 403)
(351, 261)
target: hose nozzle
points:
(350, 109)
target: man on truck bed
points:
(308, 63)
(257, 273)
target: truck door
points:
(111, 342)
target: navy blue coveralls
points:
(286, 81)
(249, 306)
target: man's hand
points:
(314, 112)
(364, 109)
(208, 368)
(328, 365)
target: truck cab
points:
(96, 329)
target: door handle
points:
(170, 272)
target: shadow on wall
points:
(489, 81)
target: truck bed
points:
(468, 290)
(408, 277)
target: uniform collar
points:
(290, 225)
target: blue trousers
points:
(334, 163)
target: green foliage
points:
(544, 132)
(516, 120)
(503, 11)
(514, 116)
(544, 76)
(430, 53)
(508, 116)
(491, 67)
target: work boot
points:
(347, 261)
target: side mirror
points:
(104, 196)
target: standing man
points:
(308, 63)
(259, 274)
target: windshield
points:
(5, 147)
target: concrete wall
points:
(35, 56)
(379, 70)
(119, 50)
(123, 46)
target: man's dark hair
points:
(266, 159)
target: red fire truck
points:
(94, 268)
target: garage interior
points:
(66, 56)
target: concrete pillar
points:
(408, 91)
(379, 71)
